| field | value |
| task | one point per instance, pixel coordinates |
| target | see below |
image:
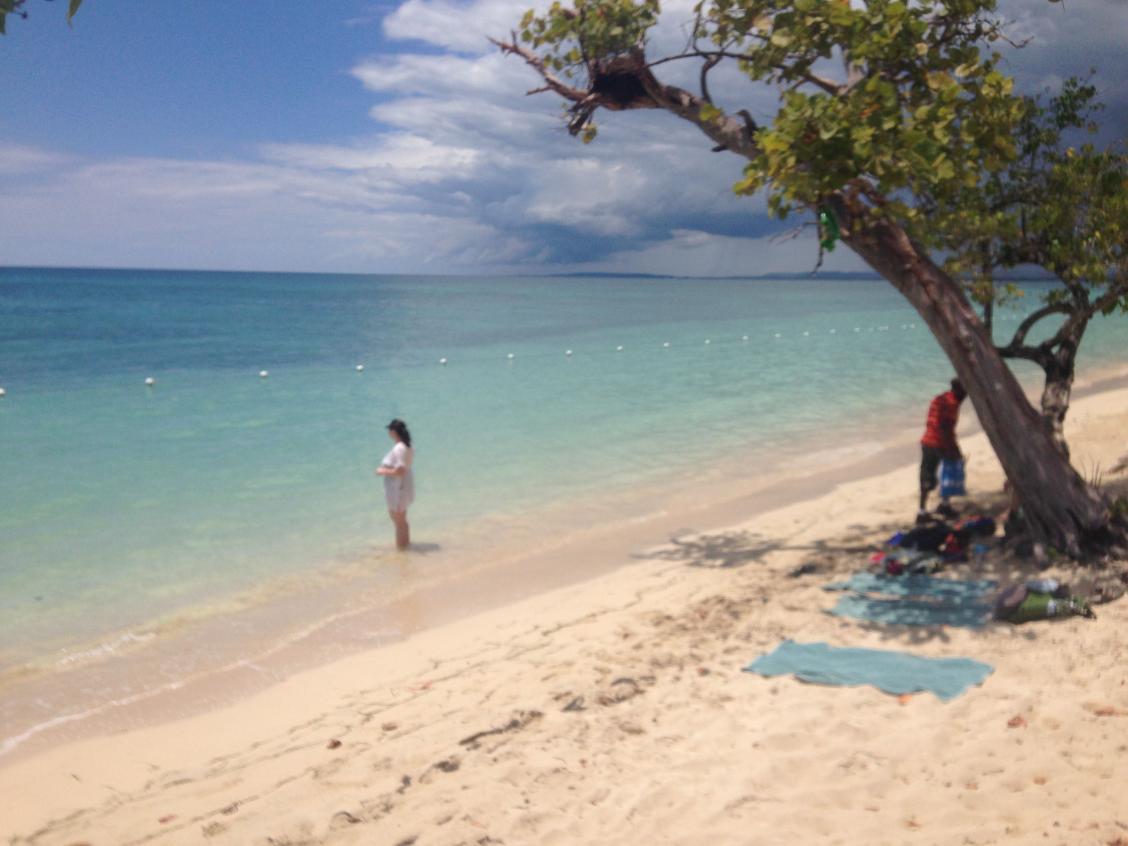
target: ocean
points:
(537, 405)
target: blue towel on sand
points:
(912, 612)
(915, 585)
(914, 600)
(892, 672)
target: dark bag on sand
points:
(952, 477)
(976, 526)
(926, 538)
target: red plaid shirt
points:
(940, 430)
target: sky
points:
(392, 137)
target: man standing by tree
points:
(939, 444)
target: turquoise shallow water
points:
(121, 503)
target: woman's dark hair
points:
(400, 428)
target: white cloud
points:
(464, 173)
(398, 159)
(148, 212)
(437, 76)
(427, 241)
(459, 26)
(587, 194)
(17, 159)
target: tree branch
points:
(731, 132)
(1017, 347)
(1116, 291)
(714, 56)
(532, 59)
(707, 66)
(1035, 354)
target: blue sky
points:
(386, 137)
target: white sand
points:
(615, 711)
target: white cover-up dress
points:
(399, 491)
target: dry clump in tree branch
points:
(626, 82)
(616, 84)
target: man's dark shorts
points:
(930, 458)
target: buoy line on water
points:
(742, 340)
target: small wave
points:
(10, 744)
(103, 650)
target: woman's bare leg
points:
(403, 530)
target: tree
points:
(16, 7)
(917, 116)
(1064, 209)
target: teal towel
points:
(914, 600)
(916, 585)
(912, 612)
(892, 672)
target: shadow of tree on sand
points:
(727, 550)
(849, 551)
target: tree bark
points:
(1060, 507)
(1057, 391)
(1057, 357)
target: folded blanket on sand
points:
(914, 600)
(892, 672)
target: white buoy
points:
(263, 374)
(708, 341)
(567, 352)
(442, 360)
(665, 343)
(806, 334)
(744, 338)
(360, 368)
(3, 393)
(510, 356)
(150, 381)
(619, 348)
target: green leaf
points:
(710, 113)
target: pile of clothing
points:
(927, 548)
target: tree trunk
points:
(1061, 509)
(1056, 393)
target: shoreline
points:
(378, 621)
(614, 710)
(583, 553)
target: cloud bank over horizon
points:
(463, 173)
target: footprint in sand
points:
(343, 819)
(519, 720)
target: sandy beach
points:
(616, 711)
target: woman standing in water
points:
(399, 483)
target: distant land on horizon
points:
(1017, 275)
(1033, 275)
